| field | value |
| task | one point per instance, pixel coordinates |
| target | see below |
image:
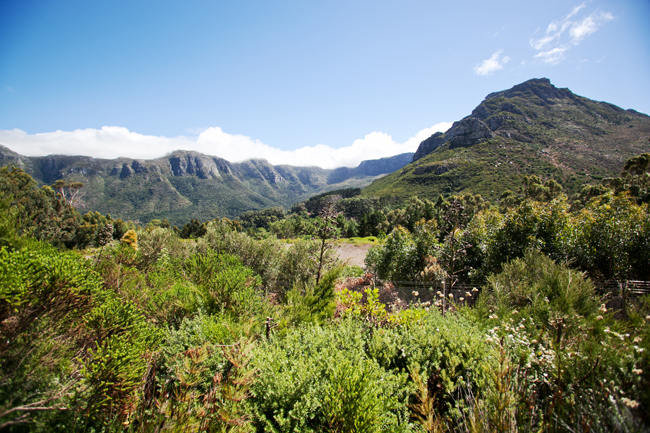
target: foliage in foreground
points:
(227, 333)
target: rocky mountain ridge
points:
(188, 184)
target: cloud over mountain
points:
(116, 141)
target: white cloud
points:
(588, 26)
(552, 56)
(495, 62)
(575, 11)
(561, 35)
(115, 141)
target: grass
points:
(367, 240)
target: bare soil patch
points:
(352, 254)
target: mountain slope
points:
(532, 128)
(374, 167)
(186, 184)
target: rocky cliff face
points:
(188, 184)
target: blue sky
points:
(324, 83)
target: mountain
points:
(373, 167)
(187, 184)
(534, 128)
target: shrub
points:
(449, 352)
(537, 287)
(572, 368)
(313, 303)
(542, 226)
(280, 266)
(317, 379)
(130, 238)
(70, 341)
(200, 381)
(225, 284)
(613, 239)
(155, 242)
(396, 258)
(43, 295)
(115, 365)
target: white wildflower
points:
(637, 371)
(632, 404)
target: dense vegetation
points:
(185, 185)
(222, 326)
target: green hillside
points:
(532, 128)
(185, 185)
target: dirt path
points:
(352, 254)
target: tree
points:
(193, 229)
(325, 230)
(69, 192)
(39, 212)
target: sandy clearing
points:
(352, 254)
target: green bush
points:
(542, 226)
(280, 266)
(574, 365)
(613, 239)
(449, 352)
(199, 381)
(225, 284)
(156, 242)
(70, 342)
(313, 303)
(317, 379)
(396, 258)
(115, 365)
(537, 287)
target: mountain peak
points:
(528, 112)
(541, 88)
(531, 128)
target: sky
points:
(328, 83)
